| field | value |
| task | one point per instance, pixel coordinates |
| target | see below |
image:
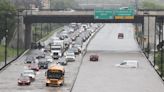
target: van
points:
(128, 64)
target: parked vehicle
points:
(24, 80)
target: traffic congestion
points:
(53, 55)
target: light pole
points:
(18, 36)
(6, 37)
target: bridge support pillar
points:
(149, 32)
(28, 36)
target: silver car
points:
(30, 73)
(70, 56)
(62, 61)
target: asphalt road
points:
(10, 75)
(107, 39)
(104, 76)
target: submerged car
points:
(128, 64)
(94, 57)
(24, 80)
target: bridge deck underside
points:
(77, 19)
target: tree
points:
(63, 4)
(7, 13)
(151, 5)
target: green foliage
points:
(158, 58)
(63, 4)
(152, 5)
(7, 16)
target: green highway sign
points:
(128, 12)
(103, 14)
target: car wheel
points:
(47, 84)
(61, 84)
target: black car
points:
(43, 64)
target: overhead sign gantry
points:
(127, 13)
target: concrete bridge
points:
(86, 16)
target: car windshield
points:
(30, 58)
(48, 57)
(24, 78)
(55, 48)
(70, 54)
(54, 75)
(123, 63)
(42, 60)
(28, 72)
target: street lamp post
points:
(6, 38)
(18, 35)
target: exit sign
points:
(124, 13)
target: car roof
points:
(28, 71)
(131, 61)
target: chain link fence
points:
(152, 44)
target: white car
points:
(62, 61)
(49, 59)
(128, 64)
(30, 73)
(70, 56)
